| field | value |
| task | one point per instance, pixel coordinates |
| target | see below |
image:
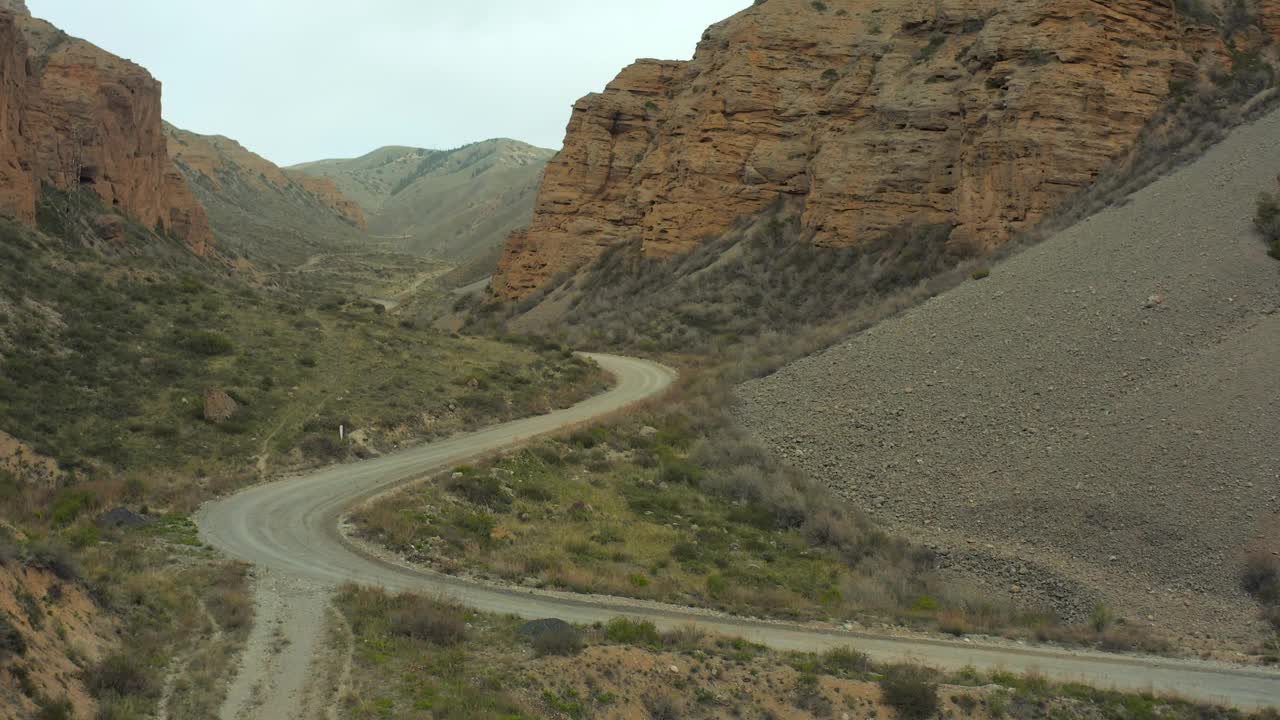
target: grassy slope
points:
(458, 204)
(256, 210)
(118, 379)
(104, 361)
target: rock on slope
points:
(1103, 406)
(259, 209)
(86, 118)
(979, 114)
(459, 204)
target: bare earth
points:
(1095, 421)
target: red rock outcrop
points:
(981, 114)
(326, 190)
(87, 118)
(17, 178)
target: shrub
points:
(1262, 578)
(121, 675)
(480, 489)
(845, 662)
(626, 631)
(558, 641)
(1267, 220)
(68, 506)
(911, 691)
(55, 710)
(11, 640)
(1101, 618)
(207, 343)
(54, 558)
(419, 618)
(663, 708)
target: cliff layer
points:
(75, 116)
(978, 114)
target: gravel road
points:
(1095, 421)
(289, 531)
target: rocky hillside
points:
(1093, 420)
(459, 204)
(260, 210)
(73, 116)
(980, 115)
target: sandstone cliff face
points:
(981, 114)
(17, 179)
(89, 119)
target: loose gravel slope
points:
(1095, 421)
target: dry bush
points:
(1267, 220)
(1261, 577)
(911, 690)
(423, 619)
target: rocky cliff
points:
(977, 114)
(17, 179)
(86, 118)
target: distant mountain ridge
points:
(459, 204)
(260, 210)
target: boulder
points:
(219, 407)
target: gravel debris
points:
(1093, 422)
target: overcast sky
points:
(298, 80)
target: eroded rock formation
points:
(86, 118)
(17, 179)
(979, 114)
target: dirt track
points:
(290, 531)
(1095, 421)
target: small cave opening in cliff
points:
(88, 175)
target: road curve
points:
(290, 528)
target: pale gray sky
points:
(298, 80)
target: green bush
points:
(626, 631)
(69, 505)
(121, 675)
(206, 343)
(911, 691)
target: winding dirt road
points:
(290, 531)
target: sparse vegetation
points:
(761, 294)
(12, 642)
(625, 668)
(105, 371)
